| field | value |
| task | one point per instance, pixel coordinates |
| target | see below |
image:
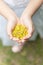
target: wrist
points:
(26, 14)
(11, 17)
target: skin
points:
(10, 15)
(26, 17)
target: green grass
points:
(32, 54)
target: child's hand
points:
(11, 24)
(26, 20)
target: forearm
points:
(5, 10)
(33, 6)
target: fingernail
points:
(15, 39)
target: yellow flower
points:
(19, 31)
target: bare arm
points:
(5, 10)
(33, 6)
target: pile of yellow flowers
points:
(19, 31)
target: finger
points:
(26, 37)
(29, 35)
(16, 39)
(21, 41)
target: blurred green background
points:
(32, 54)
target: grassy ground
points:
(32, 54)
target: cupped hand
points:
(27, 21)
(10, 26)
